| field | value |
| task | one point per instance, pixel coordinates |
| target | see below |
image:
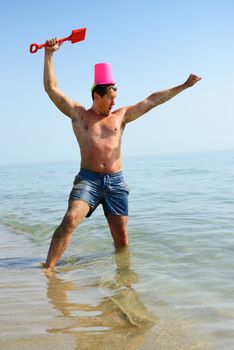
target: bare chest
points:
(106, 128)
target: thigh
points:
(115, 203)
(76, 212)
(86, 188)
(118, 228)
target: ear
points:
(96, 96)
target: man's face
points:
(107, 101)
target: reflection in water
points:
(118, 319)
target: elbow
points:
(46, 86)
(49, 86)
(48, 89)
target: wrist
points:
(185, 85)
(48, 51)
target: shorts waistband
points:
(84, 171)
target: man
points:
(98, 131)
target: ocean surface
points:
(173, 288)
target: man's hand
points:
(192, 79)
(52, 45)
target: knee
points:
(70, 221)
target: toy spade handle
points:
(35, 47)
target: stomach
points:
(101, 159)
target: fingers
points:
(192, 79)
(52, 42)
(195, 78)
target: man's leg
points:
(75, 214)
(118, 228)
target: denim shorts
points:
(110, 190)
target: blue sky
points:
(151, 44)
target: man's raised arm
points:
(135, 111)
(64, 103)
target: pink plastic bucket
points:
(103, 74)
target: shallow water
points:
(172, 289)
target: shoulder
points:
(79, 111)
(119, 114)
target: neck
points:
(95, 110)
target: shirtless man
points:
(98, 131)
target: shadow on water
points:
(118, 320)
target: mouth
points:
(107, 111)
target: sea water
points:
(172, 288)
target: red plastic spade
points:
(76, 35)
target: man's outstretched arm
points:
(135, 111)
(64, 103)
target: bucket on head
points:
(103, 74)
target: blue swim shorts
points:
(110, 190)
